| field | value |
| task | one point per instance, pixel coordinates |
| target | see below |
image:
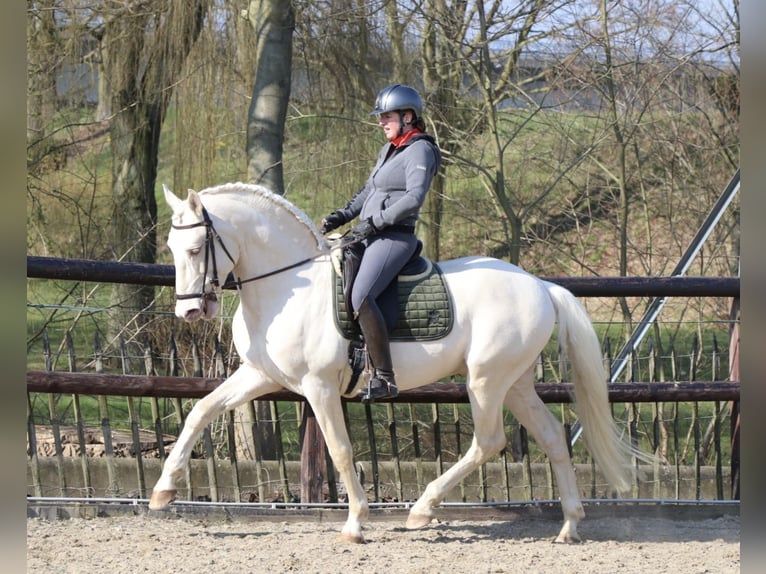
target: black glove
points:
(332, 221)
(363, 229)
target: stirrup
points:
(380, 386)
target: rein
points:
(210, 234)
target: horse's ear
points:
(171, 199)
(194, 202)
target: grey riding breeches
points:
(384, 257)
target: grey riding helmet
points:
(397, 97)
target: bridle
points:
(210, 235)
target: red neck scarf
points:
(399, 141)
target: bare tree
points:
(471, 55)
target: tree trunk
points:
(145, 53)
(273, 22)
(42, 49)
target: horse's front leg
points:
(325, 401)
(243, 385)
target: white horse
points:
(284, 333)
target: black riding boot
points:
(382, 383)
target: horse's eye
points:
(195, 251)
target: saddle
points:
(417, 305)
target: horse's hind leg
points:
(243, 385)
(488, 439)
(529, 409)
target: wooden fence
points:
(107, 433)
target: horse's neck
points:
(271, 243)
(270, 238)
(267, 265)
(285, 300)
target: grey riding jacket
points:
(397, 186)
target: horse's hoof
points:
(352, 538)
(567, 539)
(161, 499)
(415, 521)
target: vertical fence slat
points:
(505, 474)
(150, 369)
(416, 449)
(458, 445)
(55, 422)
(526, 463)
(716, 423)
(633, 421)
(207, 441)
(676, 426)
(395, 451)
(696, 420)
(259, 475)
(178, 411)
(280, 453)
(437, 439)
(332, 481)
(734, 407)
(106, 429)
(231, 440)
(134, 425)
(230, 431)
(212, 475)
(657, 414)
(33, 455)
(373, 451)
(79, 423)
(57, 445)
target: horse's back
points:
(487, 274)
(489, 293)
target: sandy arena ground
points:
(181, 543)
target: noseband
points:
(210, 234)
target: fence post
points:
(313, 462)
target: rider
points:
(388, 206)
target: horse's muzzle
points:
(203, 307)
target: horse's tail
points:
(579, 343)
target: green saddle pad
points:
(425, 309)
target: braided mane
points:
(261, 197)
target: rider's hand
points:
(332, 221)
(363, 229)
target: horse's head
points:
(201, 260)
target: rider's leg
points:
(383, 258)
(382, 384)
